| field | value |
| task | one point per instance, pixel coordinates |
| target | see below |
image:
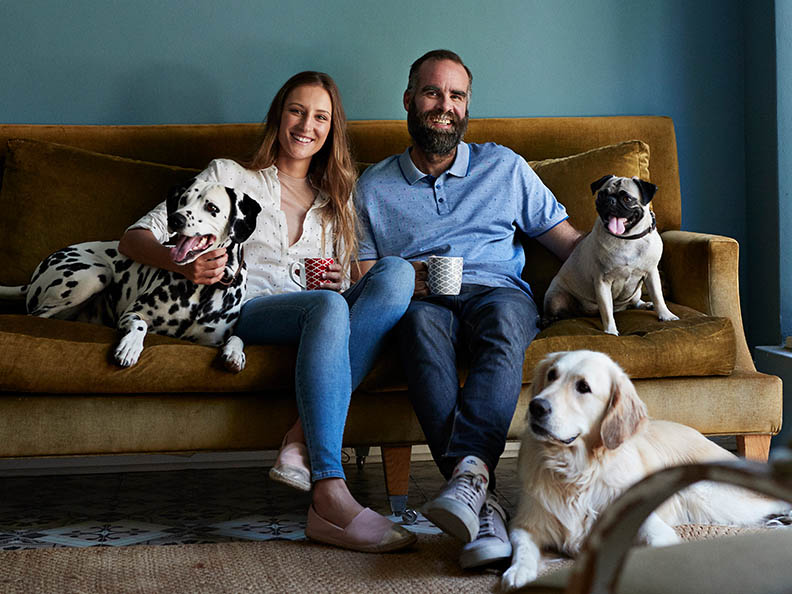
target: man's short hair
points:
(438, 54)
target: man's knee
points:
(514, 320)
(422, 317)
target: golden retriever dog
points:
(587, 439)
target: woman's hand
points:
(334, 276)
(207, 269)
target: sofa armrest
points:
(702, 272)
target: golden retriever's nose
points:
(539, 408)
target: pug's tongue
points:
(616, 225)
(183, 247)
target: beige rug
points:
(240, 567)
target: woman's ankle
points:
(295, 433)
(333, 502)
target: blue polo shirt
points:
(473, 210)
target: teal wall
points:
(158, 61)
(784, 70)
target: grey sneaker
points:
(492, 543)
(456, 510)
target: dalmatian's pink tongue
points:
(616, 225)
(184, 246)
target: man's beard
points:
(430, 140)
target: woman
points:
(303, 177)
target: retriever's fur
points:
(587, 439)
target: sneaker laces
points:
(487, 522)
(468, 487)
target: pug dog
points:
(605, 270)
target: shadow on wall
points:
(169, 93)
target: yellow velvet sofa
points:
(60, 395)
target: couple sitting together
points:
(440, 197)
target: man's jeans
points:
(338, 338)
(488, 330)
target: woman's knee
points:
(328, 308)
(395, 275)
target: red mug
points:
(307, 272)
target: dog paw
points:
(127, 352)
(234, 362)
(667, 317)
(233, 355)
(612, 331)
(517, 576)
(644, 305)
(663, 538)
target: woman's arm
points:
(142, 246)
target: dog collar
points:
(643, 233)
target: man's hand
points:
(421, 278)
(207, 269)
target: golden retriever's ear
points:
(539, 380)
(625, 411)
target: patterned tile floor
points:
(189, 506)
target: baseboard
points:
(162, 462)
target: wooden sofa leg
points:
(754, 447)
(396, 464)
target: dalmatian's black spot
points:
(123, 264)
(111, 253)
(72, 284)
(65, 294)
(173, 309)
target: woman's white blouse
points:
(267, 252)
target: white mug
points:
(445, 274)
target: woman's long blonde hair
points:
(332, 170)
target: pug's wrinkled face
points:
(622, 202)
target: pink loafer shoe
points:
(292, 467)
(368, 532)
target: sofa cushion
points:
(570, 178)
(54, 356)
(91, 196)
(694, 345)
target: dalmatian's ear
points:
(175, 194)
(244, 211)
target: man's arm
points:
(360, 268)
(561, 239)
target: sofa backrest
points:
(193, 146)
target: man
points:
(445, 197)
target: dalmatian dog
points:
(94, 282)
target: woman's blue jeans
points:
(338, 338)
